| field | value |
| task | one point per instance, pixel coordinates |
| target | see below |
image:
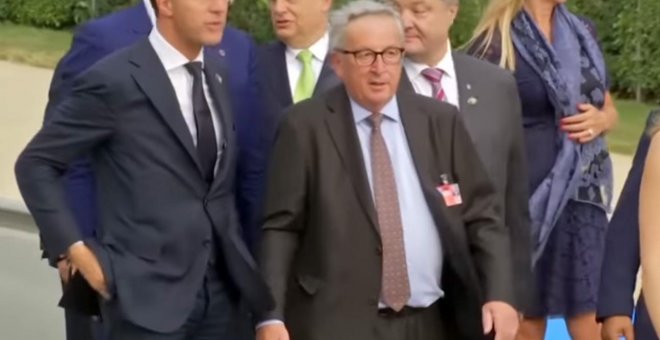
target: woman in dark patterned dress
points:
(567, 109)
(649, 226)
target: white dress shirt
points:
(423, 86)
(294, 66)
(421, 237)
(174, 63)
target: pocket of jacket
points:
(105, 263)
(309, 284)
(147, 251)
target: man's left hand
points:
(501, 318)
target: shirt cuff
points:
(269, 322)
(63, 256)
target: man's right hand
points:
(84, 260)
(272, 332)
(64, 268)
(616, 327)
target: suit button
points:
(373, 302)
(206, 243)
(379, 250)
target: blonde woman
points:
(649, 223)
(567, 109)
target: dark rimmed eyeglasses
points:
(366, 57)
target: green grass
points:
(33, 46)
(632, 118)
(43, 48)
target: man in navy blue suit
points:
(101, 37)
(622, 260)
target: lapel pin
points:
(472, 101)
(221, 52)
(217, 76)
(468, 86)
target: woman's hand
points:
(591, 122)
(585, 126)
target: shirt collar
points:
(446, 64)
(168, 55)
(390, 110)
(319, 49)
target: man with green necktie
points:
(294, 67)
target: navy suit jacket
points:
(158, 225)
(275, 98)
(101, 37)
(274, 86)
(622, 253)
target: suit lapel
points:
(419, 128)
(156, 85)
(279, 76)
(327, 79)
(465, 82)
(416, 125)
(405, 84)
(221, 103)
(341, 128)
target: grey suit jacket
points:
(490, 108)
(321, 251)
(157, 214)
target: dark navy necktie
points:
(207, 147)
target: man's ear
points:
(335, 63)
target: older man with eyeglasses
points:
(380, 220)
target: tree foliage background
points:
(629, 30)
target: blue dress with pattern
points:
(568, 272)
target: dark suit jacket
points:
(490, 107)
(273, 73)
(275, 94)
(157, 214)
(321, 250)
(101, 37)
(622, 253)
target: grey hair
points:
(340, 18)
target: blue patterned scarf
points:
(581, 172)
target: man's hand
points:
(501, 318)
(86, 262)
(64, 268)
(276, 331)
(616, 327)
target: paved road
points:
(29, 290)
